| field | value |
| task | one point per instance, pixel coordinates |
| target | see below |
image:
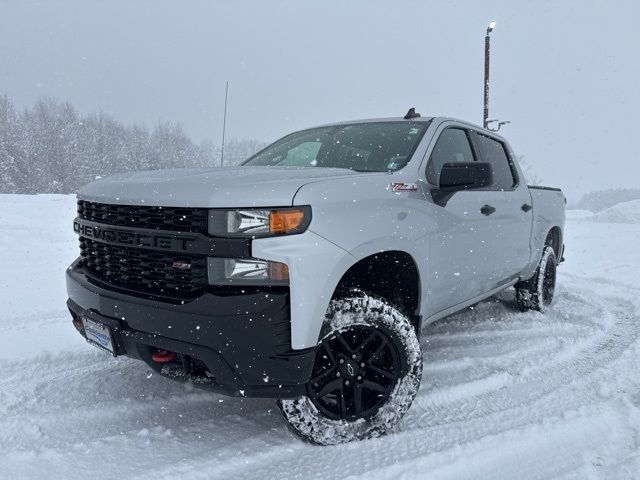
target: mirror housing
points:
(466, 175)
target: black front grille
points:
(158, 218)
(159, 273)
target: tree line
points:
(51, 148)
(599, 200)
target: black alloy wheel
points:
(355, 372)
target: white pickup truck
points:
(306, 273)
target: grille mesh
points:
(158, 218)
(143, 270)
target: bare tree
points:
(529, 173)
(50, 148)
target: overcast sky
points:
(566, 74)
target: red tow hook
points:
(163, 356)
(78, 324)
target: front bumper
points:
(232, 341)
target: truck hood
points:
(208, 187)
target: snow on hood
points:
(208, 187)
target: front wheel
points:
(367, 372)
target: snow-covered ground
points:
(504, 394)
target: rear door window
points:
(495, 153)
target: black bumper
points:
(232, 342)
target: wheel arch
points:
(554, 239)
(393, 275)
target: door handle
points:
(526, 207)
(487, 210)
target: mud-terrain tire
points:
(367, 372)
(537, 292)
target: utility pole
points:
(224, 122)
(487, 47)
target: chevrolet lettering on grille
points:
(118, 236)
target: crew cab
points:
(306, 273)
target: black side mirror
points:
(466, 175)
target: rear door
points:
(511, 222)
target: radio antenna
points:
(224, 122)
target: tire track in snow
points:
(539, 378)
(100, 397)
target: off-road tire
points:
(347, 317)
(537, 292)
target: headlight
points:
(247, 271)
(258, 222)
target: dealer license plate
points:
(98, 334)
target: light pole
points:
(487, 46)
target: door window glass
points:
(494, 153)
(452, 146)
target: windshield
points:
(364, 147)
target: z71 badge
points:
(404, 187)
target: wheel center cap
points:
(350, 369)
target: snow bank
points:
(37, 244)
(578, 214)
(626, 212)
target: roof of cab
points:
(417, 119)
(378, 120)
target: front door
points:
(461, 244)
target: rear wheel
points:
(537, 292)
(367, 372)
